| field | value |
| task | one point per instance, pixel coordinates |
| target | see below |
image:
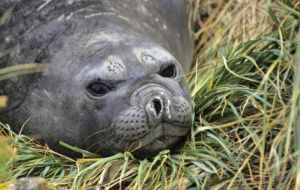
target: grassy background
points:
(245, 85)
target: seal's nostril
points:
(154, 109)
(157, 106)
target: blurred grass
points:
(21, 69)
(245, 85)
(295, 113)
(3, 101)
(6, 153)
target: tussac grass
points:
(245, 86)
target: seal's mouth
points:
(162, 134)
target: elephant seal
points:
(115, 73)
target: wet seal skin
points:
(115, 73)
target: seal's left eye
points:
(98, 88)
(169, 71)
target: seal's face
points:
(116, 92)
(150, 109)
(159, 112)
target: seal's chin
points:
(164, 136)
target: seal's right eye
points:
(98, 88)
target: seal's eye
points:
(98, 88)
(169, 71)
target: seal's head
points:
(109, 91)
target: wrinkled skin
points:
(114, 79)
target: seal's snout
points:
(156, 119)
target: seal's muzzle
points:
(155, 116)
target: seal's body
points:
(115, 72)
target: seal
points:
(115, 73)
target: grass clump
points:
(245, 86)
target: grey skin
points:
(115, 73)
